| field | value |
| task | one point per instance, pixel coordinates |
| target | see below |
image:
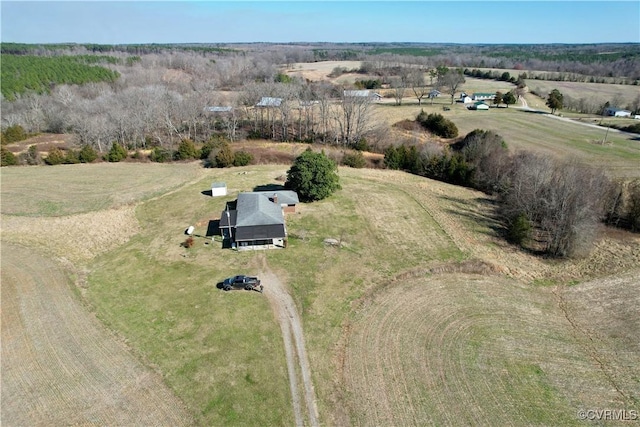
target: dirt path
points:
(297, 360)
(60, 366)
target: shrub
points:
(361, 145)
(242, 158)
(71, 157)
(437, 124)
(31, 157)
(188, 243)
(117, 153)
(224, 156)
(56, 156)
(519, 229)
(354, 160)
(7, 158)
(392, 158)
(186, 150)
(87, 154)
(160, 155)
(14, 133)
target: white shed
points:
(218, 189)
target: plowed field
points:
(60, 366)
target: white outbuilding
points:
(218, 189)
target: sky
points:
(477, 21)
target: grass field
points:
(93, 187)
(59, 364)
(620, 155)
(424, 315)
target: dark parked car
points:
(249, 283)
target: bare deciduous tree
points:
(352, 115)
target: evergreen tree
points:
(509, 98)
(117, 153)
(7, 158)
(313, 176)
(555, 100)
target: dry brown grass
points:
(77, 238)
(71, 189)
(60, 366)
(466, 349)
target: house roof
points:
(360, 94)
(285, 197)
(219, 109)
(218, 185)
(616, 109)
(228, 217)
(483, 94)
(267, 101)
(256, 216)
(256, 209)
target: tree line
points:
(547, 205)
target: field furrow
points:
(59, 366)
(466, 350)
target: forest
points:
(37, 74)
(143, 96)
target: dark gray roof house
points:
(256, 220)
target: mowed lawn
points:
(390, 341)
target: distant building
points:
(483, 96)
(480, 105)
(375, 96)
(617, 112)
(219, 109)
(269, 102)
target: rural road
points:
(291, 325)
(525, 106)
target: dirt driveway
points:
(297, 361)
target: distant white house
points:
(479, 96)
(617, 112)
(466, 99)
(434, 93)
